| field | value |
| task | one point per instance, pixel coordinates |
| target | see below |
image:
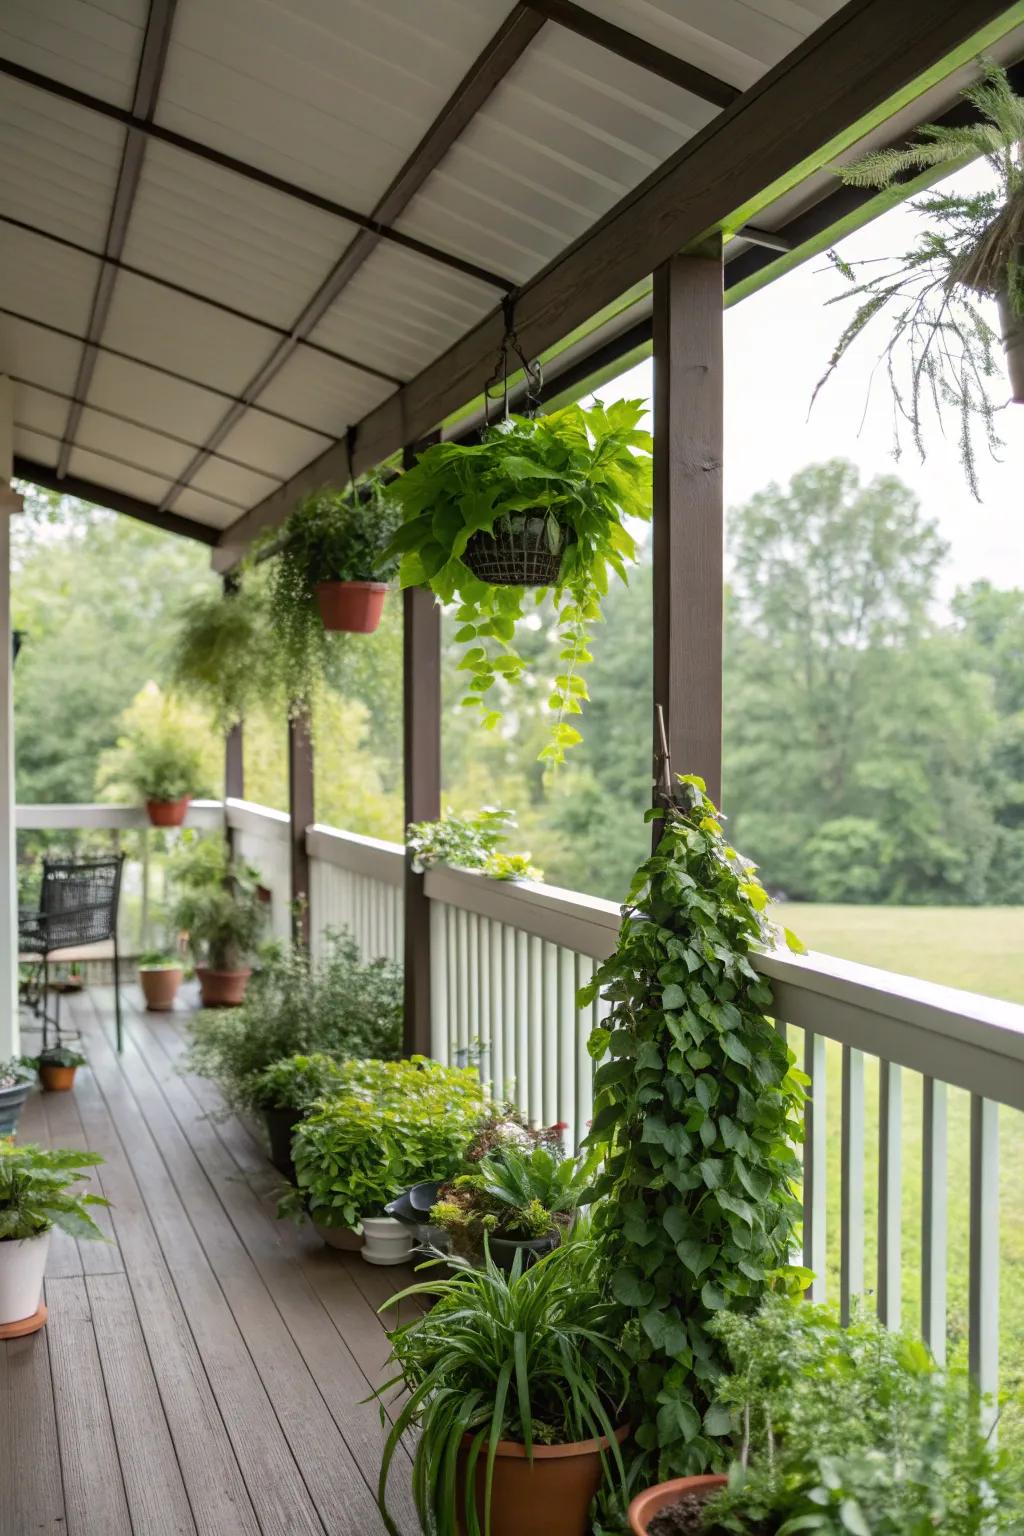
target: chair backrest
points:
(80, 898)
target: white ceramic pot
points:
(387, 1241)
(340, 1237)
(22, 1262)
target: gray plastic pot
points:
(504, 1249)
(11, 1102)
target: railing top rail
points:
(98, 817)
(260, 820)
(584, 923)
(371, 856)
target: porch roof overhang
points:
(243, 250)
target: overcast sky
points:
(776, 346)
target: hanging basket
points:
(1012, 327)
(519, 552)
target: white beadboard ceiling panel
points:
(35, 447)
(128, 478)
(569, 132)
(161, 326)
(58, 164)
(268, 443)
(331, 94)
(401, 312)
(324, 394)
(242, 486)
(217, 234)
(39, 410)
(44, 281)
(205, 509)
(154, 398)
(93, 47)
(43, 357)
(737, 40)
(125, 440)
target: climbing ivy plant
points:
(697, 1109)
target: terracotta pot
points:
(647, 1504)
(340, 1237)
(160, 987)
(353, 606)
(22, 1263)
(168, 813)
(222, 989)
(56, 1079)
(12, 1101)
(1012, 327)
(280, 1123)
(550, 1497)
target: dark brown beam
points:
(657, 61)
(301, 812)
(192, 293)
(421, 762)
(253, 173)
(147, 89)
(488, 70)
(688, 510)
(115, 501)
(849, 67)
(168, 373)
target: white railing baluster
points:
(483, 945)
(851, 1238)
(983, 1289)
(565, 1097)
(440, 971)
(521, 1087)
(533, 1067)
(499, 1071)
(462, 982)
(890, 1190)
(552, 1024)
(472, 1041)
(934, 1220)
(815, 1166)
(584, 1062)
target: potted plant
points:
(160, 976)
(542, 502)
(36, 1195)
(337, 1006)
(15, 1082)
(329, 573)
(515, 1388)
(57, 1066)
(158, 758)
(521, 1201)
(697, 1106)
(284, 1093)
(470, 842)
(941, 347)
(223, 651)
(839, 1431)
(388, 1125)
(221, 911)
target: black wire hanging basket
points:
(524, 549)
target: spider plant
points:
(941, 347)
(528, 1356)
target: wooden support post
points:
(234, 751)
(421, 746)
(10, 503)
(301, 811)
(688, 510)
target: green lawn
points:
(981, 949)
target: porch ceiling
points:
(228, 234)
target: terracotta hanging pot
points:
(354, 607)
(653, 1500)
(1011, 326)
(550, 1496)
(524, 549)
(160, 986)
(222, 989)
(168, 813)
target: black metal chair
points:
(78, 902)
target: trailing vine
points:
(697, 1110)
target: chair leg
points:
(117, 997)
(45, 996)
(56, 1017)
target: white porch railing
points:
(356, 883)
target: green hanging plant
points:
(331, 537)
(941, 347)
(541, 502)
(222, 654)
(697, 1108)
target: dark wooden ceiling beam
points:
(147, 89)
(486, 72)
(252, 173)
(626, 45)
(848, 68)
(114, 501)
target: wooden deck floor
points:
(206, 1370)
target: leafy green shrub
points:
(340, 1005)
(296, 1082)
(696, 1109)
(330, 536)
(851, 1432)
(585, 472)
(36, 1193)
(222, 652)
(528, 1356)
(219, 905)
(58, 1056)
(512, 1193)
(388, 1125)
(470, 842)
(159, 755)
